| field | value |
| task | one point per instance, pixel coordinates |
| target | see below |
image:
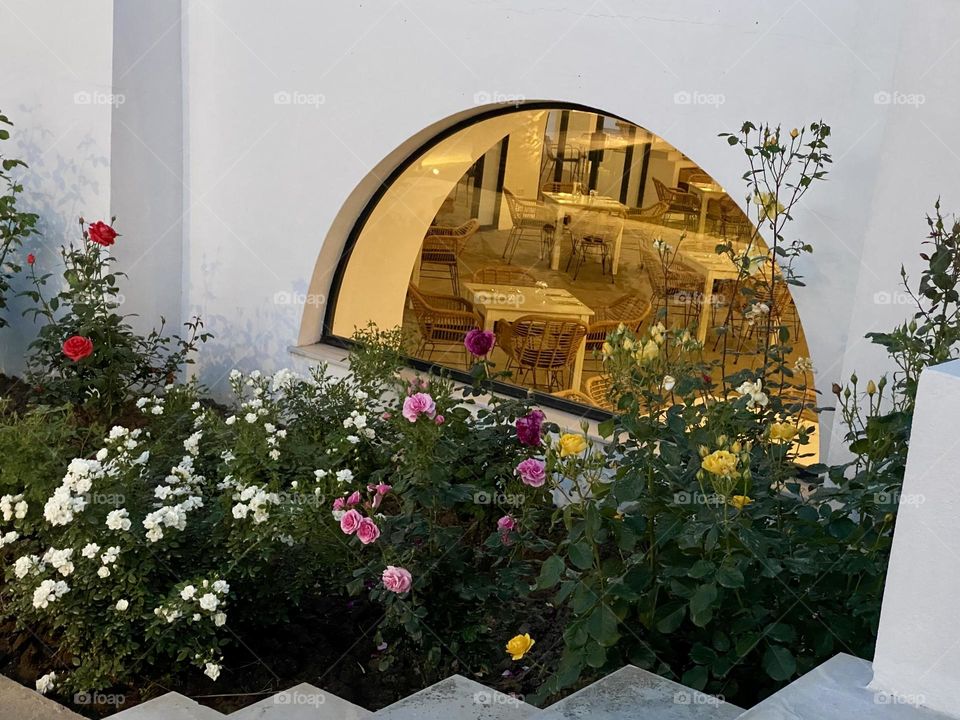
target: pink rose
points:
(397, 580)
(532, 472)
(383, 488)
(479, 342)
(354, 498)
(368, 531)
(506, 524)
(439, 420)
(419, 404)
(351, 521)
(339, 504)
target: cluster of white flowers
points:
(151, 405)
(754, 390)
(13, 506)
(192, 443)
(359, 422)
(60, 560)
(284, 379)
(46, 683)
(209, 597)
(756, 311)
(274, 436)
(118, 520)
(26, 564)
(182, 483)
(49, 591)
(68, 499)
(803, 365)
(255, 501)
(108, 558)
(8, 538)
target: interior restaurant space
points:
(554, 226)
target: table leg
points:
(706, 306)
(577, 377)
(557, 240)
(703, 214)
(617, 244)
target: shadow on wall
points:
(62, 182)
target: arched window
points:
(540, 222)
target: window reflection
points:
(545, 233)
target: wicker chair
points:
(442, 247)
(540, 343)
(726, 217)
(680, 203)
(529, 218)
(679, 285)
(599, 389)
(504, 275)
(574, 396)
(651, 214)
(442, 320)
(593, 233)
(630, 309)
(757, 289)
(570, 187)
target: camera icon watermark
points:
(96, 97)
(884, 297)
(300, 698)
(482, 497)
(484, 97)
(695, 97)
(298, 97)
(690, 697)
(492, 698)
(284, 297)
(99, 698)
(895, 97)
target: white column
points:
(918, 648)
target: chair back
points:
(663, 192)
(513, 206)
(630, 309)
(699, 178)
(504, 275)
(599, 389)
(542, 341)
(569, 186)
(651, 213)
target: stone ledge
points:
(21, 703)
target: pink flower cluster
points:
(352, 521)
(505, 526)
(397, 579)
(420, 404)
(529, 428)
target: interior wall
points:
(57, 89)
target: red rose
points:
(31, 259)
(77, 347)
(102, 234)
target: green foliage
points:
(87, 306)
(15, 225)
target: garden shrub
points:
(15, 225)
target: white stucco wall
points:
(55, 86)
(293, 111)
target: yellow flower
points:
(871, 388)
(782, 432)
(794, 133)
(651, 350)
(519, 646)
(720, 462)
(571, 444)
(741, 501)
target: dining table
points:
(563, 203)
(706, 192)
(509, 302)
(712, 267)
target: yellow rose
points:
(741, 501)
(519, 646)
(571, 444)
(782, 432)
(650, 351)
(720, 462)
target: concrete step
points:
(22, 703)
(838, 690)
(172, 706)
(635, 694)
(457, 698)
(301, 702)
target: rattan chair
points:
(593, 233)
(574, 396)
(756, 289)
(599, 389)
(651, 214)
(727, 217)
(504, 275)
(443, 320)
(679, 202)
(530, 219)
(631, 310)
(537, 344)
(441, 249)
(678, 285)
(560, 187)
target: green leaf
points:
(701, 604)
(671, 616)
(730, 577)
(581, 554)
(550, 572)
(779, 663)
(602, 626)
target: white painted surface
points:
(293, 114)
(918, 649)
(55, 86)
